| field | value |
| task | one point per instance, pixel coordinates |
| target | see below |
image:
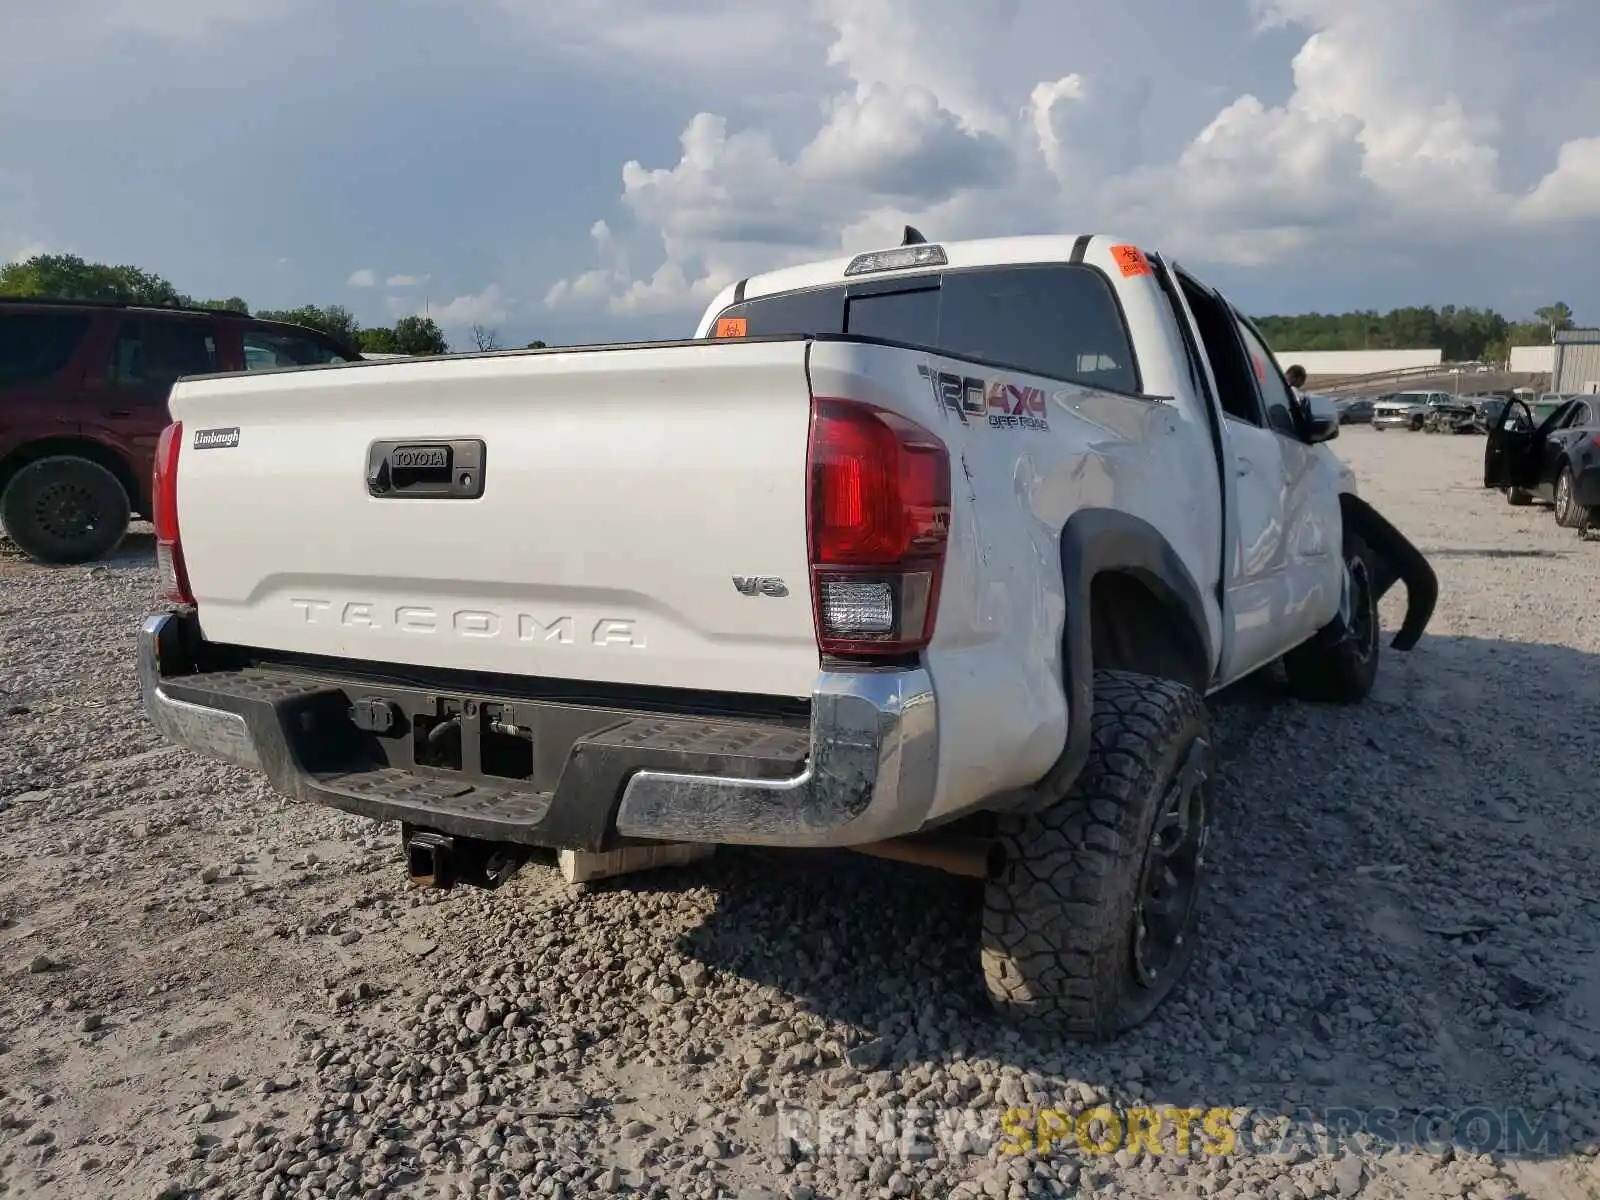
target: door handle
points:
(1245, 466)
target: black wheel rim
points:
(1170, 882)
(66, 511)
(1363, 632)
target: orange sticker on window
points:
(731, 327)
(1131, 260)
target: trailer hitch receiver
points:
(441, 860)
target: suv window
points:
(268, 349)
(35, 346)
(1058, 320)
(153, 352)
(1274, 392)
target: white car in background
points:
(1404, 410)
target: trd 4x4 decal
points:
(1001, 405)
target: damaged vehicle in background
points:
(933, 553)
(1403, 410)
(1450, 414)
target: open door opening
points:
(1511, 453)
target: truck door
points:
(1309, 503)
(1257, 589)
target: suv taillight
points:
(878, 519)
(164, 495)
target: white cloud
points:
(1571, 192)
(488, 307)
(364, 278)
(405, 281)
(1401, 128)
(21, 251)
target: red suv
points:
(83, 398)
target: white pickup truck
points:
(935, 552)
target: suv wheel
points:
(1340, 664)
(64, 510)
(1566, 510)
(1091, 920)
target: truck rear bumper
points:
(593, 776)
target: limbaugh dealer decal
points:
(216, 439)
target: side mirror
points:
(1319, 419)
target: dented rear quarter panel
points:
(995, 658)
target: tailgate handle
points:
(426, 468)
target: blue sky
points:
(599, 171)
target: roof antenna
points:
(913, 237)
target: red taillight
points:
(879, 521)
(164, 496)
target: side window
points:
(1236, 390)
(1275, 395)
(154, 353)
(34, 346)
(267, 349)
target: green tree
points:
(1556, 316)
(378, 340)
(335, 321)
(419, 335)
(231, 304)
(1461, 334)
(68, 277)
(537, 346)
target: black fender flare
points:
(1397, 561)
(1095, 541)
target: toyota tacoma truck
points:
(934, 552)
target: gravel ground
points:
(212, 991)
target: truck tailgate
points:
(623, 491)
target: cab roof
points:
(981, 252)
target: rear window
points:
(1056, 320)
(36, 345)
(268, 349)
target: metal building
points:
(1532, 360)
(1577, 363)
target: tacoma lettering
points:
(468, 622)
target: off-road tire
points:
(1340, 664)
(1059, 943)
(1518, 497)
(1416, 424)
(64, 509)
(1568, 513)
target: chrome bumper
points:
(870, 774)
(211, 731)
(874, 762)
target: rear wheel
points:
(1567, 511)
(1340, 664)
(1091, 921)
(64, 510)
